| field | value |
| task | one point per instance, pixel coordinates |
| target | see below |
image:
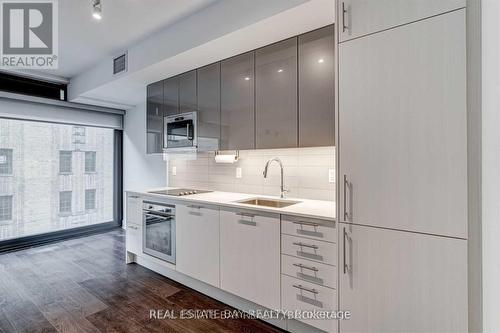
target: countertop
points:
(319, 209)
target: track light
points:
(97, 9)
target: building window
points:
(90, 161)
(5, 161)
(65, 202)
(89, 199)
(65, 161)
(6, 208)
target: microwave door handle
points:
(189, 132)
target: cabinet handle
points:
(299, 286)
(347, 214)
(133, 227)
(133, 196)
(246, 215)
(305, 245)
(344, 11)
(306, 223)
(346, 266)
(194, 207)
(311, 268)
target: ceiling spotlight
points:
(247, 78)
(97, 9)
(280, 70)
(321, 60)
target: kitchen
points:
(243, 173)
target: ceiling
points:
(83, 41)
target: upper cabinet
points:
(237, 102)
(187, 92)
(316, 88)
(171, 96)
(209, 107)
(154, 120)
(276, 95)
(403, 127)
(362, 17)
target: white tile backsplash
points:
(306, 172)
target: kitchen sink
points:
(269, 202)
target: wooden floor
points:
(84, 285)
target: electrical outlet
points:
(238, 172)
(331, 175)
(174, 171)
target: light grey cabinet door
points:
(154, 120)
(237, 102)
(396, 281)
(362, 17)
(402, 123)
(209, 107)
(171, 96)
(316, 88)
(187, 92)
(276, 95)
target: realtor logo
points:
(29, 34)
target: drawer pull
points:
(133, 196)
(133, 227)
(194, 207)
(311, 268)
(299, 286)
(246, 215)
(311, 224)
(306, 245)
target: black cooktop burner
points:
(180, 192)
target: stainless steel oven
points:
(181, 132)
(159, 230)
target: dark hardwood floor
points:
(84, 285)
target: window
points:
(65, 201)
(90, 161)
(5, 161)
(43, 201)
(5, 208)
(89, 199)
(65, 161)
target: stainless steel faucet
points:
(276, 159)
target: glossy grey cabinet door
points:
(208, 86)
(154, 120)
(187, 92)
(171, 96)
(276, 95)
(237, 102)
(316, 88)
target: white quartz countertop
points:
(305, 208)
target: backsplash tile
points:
(306, 172)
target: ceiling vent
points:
(120, 64)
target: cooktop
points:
(180, 192)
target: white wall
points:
(491, 164)
(139, 169)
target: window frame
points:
(65, 212)
(61, 153)
(94, 162)
(94, 199)
(7, 220)
(9, 162)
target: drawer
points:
(310, 271)
(310, 228)
(304, 296)
(309, 249)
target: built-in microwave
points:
(180, 132)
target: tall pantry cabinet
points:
(402, 153)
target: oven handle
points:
(160, 216)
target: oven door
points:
(159, 235)
(180, 131)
